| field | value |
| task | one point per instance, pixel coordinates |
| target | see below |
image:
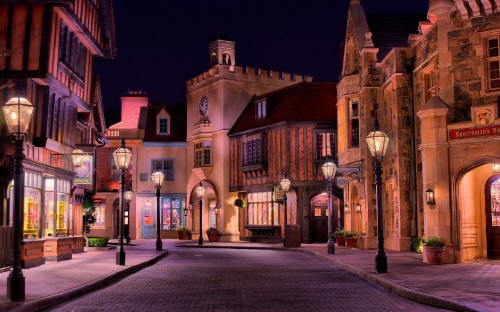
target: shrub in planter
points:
(351, 239)
(339, 236)
(182, 232)
(98, 241)
(212, 234)
(434, 249)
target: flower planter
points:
(351, 242)
(212, 236)
(340, 240)
(182, 234)
(434, 254)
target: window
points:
(202, 154)
(353, 123)
(172, 213)
(99, 214)
(325, 145)
(493, 64)
(253, 151)
(430, 85)
(164, 165)
(72, 53)
(261, 109)
(162, 123)
(262, 209)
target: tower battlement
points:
(247, 74)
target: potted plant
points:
(241, 203)
(339, 237)
(351, 239)
(182, 232)
(212, 233)
(434, 249)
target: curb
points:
(53, 300)
(398, 289)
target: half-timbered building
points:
(47, 52)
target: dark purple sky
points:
(162, 44)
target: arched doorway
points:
(319, 216)
(492, 197)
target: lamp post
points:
(285, 186)
(200, 191)
(157, 178)
(329, 169)
(18, 112)
(377, 143)
(122, 157)
(128, 198)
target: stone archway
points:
(468, 222)
(210, 198)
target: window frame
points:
(202, 153)
(333, 141)
(353, 117)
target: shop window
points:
(166, 166)
(99, 214)
(325, 145)
(212, 215)
(202, 154)
(32, 212)
(171, 213)
(495, 203)
(493, 63)
(262, 209)
(353, 123)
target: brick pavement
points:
(242, 280)
(461, 287)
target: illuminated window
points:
(261, 109)
(171, 213)
(495, 203)
(325, 145)
(493, 63)
(262, 209)
(99, 214)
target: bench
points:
(262, 233)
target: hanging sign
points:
(341, 182)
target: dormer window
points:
(163, 123)
(260, 109)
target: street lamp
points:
(377, 143)
(200, 191)
(285, 186)
(329, 170)
(18, 113)
(122, 157)
(157, 178)
(128, 198)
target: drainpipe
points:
(102, 143)
(408, 70)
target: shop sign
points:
(341, 182)
(467, 133)
(84, 172)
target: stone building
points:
(432, 82)
(156, 135)
(215, 100)
(47, 49)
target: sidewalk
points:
(56, 282)
(460, 287)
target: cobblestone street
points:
(192, 279)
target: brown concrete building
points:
(433, 83)
(215, 100)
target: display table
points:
(32, 253)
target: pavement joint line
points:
(53, 300)
(396, 288)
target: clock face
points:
(203, 106)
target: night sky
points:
(162, 44)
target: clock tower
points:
(221, 51)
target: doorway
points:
(492, 196)
(319, 217)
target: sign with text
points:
(84, 172)
(468, 133)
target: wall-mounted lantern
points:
(429, 196)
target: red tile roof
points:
(304, 101)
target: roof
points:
(392, 30)
(304, 101)
(177, 123)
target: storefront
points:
(171, 215)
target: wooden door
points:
(493, 217)
(319, 214)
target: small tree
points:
(88, 211)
